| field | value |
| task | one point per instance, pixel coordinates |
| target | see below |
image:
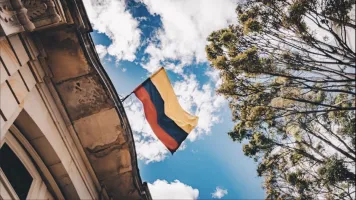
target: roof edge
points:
(84, 29)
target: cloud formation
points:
(101, 50)
(219, 193)
(185, 26)
(161, 189)
(179, 42)
(200, 101)
(111, 18)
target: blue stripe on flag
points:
(166, 123)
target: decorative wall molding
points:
(45, 173)
(8, 18)
(28, 15)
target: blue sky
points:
(133, 39)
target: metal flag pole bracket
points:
(122, 100)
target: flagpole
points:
(122, 100)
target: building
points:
(64, 132)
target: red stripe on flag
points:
(151, 116)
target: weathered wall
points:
(24, 91)
(91, 111)
(53, 77)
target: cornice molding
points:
(29, 15)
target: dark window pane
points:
(15, 171)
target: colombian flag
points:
(168, 120)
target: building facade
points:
(64, 132)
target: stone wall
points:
(55, 90)
(25, 98)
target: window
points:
(15, 172)
(19, 177)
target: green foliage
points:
(227, 37)
(239, 133)
(334, 171)
(252, 25)
(291, 94)
(297, 10)
(243, 17)
(338, 10)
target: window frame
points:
(24, 157)
(6, 190)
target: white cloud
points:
(179, 42)
(101, 50)
(109, 59)
(161, 189)
(200, 101)
(182, 38)
(185, 26)
(111, 18)
(219, 193)
(214, 75)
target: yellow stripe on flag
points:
(172, 107)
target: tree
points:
(288, 71)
